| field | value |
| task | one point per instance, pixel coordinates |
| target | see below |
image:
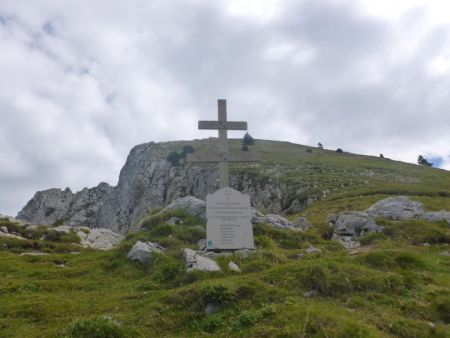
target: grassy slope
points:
(392, 288)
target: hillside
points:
(299, 282)
(288, 179)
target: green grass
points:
(392, 290)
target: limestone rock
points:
(311, 294)
(397, 208)
(144, 251)
(232, 266)
(193, 206)
(348, 242)
(437, 216)
(301, 223)
(195, 261)
(313, 250)
(354, 223)
(100, 239)
(212, 308)
(278, 221)
(4, 229)
(4, 234)
(332, 218)
(445, 254)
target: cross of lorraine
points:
(223, 156)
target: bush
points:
(248, 140)
(217, 293)
(98, 327)
(339, 150)
(174, 158)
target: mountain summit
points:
(288, 178)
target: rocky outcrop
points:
(148, 181)
(63, 206)
(144, 251)
(396, 208)
(350, 226)
(98, 238)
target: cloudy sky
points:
(84, 81)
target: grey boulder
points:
(144, 251)
(99, 238)
(313, 250)
(397, 208)
(278, 221)
(232, 266)
(301, 223)
(195, 261)
(437, 216)
(355, 224)
(193, 206)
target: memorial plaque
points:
(229, 220)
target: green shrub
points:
(55, 236)
(212, 323)
(98, 327)
(217, 293)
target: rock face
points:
(193, 206)
(55, 205)
(195, 261)
(148, 181)
(397, 208)
(143, 251)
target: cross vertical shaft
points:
(224, 168)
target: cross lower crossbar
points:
(222, 125)
(221, 157)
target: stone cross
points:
(223, 156)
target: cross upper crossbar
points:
(223, 156)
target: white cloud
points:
(82, 82)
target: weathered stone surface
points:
(193, 206)
(311, 294)
(3, 234)
(148, 181)
(278, 221)
(445, 254)
(212, 308)
(232, 266)
(437, 216)
(55, 205)
(4, 229)
(301, 223)
(354, 223)
(347, 242)
(332, 218)
(194, 261)
(100, 239)
(313, 250)
(396, 208)
(144, 251)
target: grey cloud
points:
(87, 82)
